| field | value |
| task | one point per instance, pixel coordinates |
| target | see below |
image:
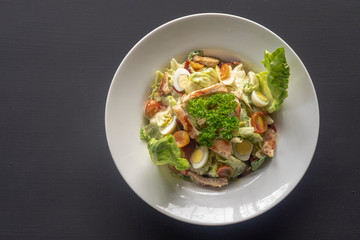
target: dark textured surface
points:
(57, 178)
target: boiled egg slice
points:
(180, 79)
(199, 157)
(258, 99)
(242, 150)
(169, 128)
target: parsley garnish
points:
(218, 111)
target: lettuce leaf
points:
(174, 65)
(150, 131)
(237, 165)
(155, 87)
(256, 164)
(274, 82)
(205, 78)
(248, 133)
(165, 151)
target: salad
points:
(210, 120)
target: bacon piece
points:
(269, 142)
(216, 88)
(205, 181)
(164, 86)
(186, 66)
(188, 149)
(207, 61)
(184, 119)
(222, 147)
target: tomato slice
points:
(181, 138)
(225, 171)
(224, 71)
(258, 121)
(151, 108)
(196, 65)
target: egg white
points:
(204, 158)
(257, 101)
(242, 156)
(169, 128)
(177, 74)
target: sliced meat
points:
(212, 182)
(207, 61)
(164, 88)
(205, 181)
(184, 119)
(216, 88)
(269, 142)
(237, 109)
(222, 147)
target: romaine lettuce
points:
(205, 78)
(237, 165)
(150, 131)
(248, 133)
(256, 164)
(155, 87)
(166, 151)
(274, 82)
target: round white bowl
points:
(228, 37)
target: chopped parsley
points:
(218, 111)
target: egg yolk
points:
(197, 156)
(243, 148)
(261, 96)
(183, 80)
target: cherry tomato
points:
(151, 108)
(225, 171)
(224, 71)
(181, 138)
(196, 65)
(258, 121)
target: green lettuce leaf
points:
(256, 164)
(174, 65)
(237, 165)
(205, 78)
(274, 82)
(165, 151)
(248, 133)
(155, 87)
(150, 131)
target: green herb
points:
(218, 112)
(196, 52)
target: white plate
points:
(225, 36)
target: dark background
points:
(57, 178)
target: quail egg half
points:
(242, 150)
(199, 157)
